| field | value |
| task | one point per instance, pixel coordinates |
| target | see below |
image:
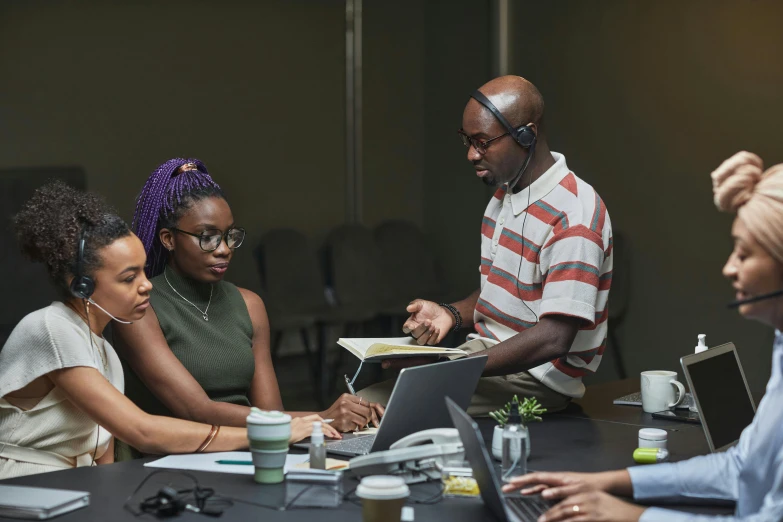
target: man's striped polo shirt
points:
(560, 264)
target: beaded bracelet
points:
(456, 314)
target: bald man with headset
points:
(540, 313)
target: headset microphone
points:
(107, 313)
(762, 297)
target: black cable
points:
(524, 219)
(434, 499)
(204, 498)
(92, 345)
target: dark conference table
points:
(592, 434)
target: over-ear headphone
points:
(523, 135)
(82, 286)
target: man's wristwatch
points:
(455, 313)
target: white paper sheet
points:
(207, 462)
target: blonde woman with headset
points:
(750, 473)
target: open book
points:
(393, 348)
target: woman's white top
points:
(53, 433)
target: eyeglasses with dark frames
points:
(210, 240)
(479, 145)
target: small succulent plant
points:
(529, 409)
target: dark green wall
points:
(645, 99)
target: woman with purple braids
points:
(202, 350)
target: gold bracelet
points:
(212, 434)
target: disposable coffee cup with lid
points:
(383, 497)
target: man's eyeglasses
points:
(210, 240)
(479, 145)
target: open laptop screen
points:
(725, 405)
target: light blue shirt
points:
(750, 473)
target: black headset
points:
(82, 286)
(526, 139)
(523, 135)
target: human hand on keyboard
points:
(559, 485)
(593, 506)
(555, 485)
(302, 427)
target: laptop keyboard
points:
(357, 445)
(528, 508)
(635, 399)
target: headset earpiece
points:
(523, 135)
(82, 286)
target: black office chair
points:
(619, 296)
(409, 270)
(29, 284)
(293, 291)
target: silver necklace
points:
(204, 312)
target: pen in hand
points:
(349, 385)
(353, 392)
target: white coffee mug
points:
(661, 391)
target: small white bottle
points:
(701, 347)
(514, 463)
(317, 448)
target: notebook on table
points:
(376, 350)
(39, 503)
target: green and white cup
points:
(268, 433)
(383, 497)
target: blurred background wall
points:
(643, 98)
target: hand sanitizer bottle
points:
(317, 448)
(702, 346)
(515, 442)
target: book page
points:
(390, 349)
(393, 347)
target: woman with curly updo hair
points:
(61, 383)
(750, 473)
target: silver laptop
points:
(514, 507)
(721, 394)
(416, 404)
(39, 503)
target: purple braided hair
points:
(164, 195)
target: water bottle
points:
(515, 441)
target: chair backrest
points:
(352, 267)
(243, 270)
(619, 294)
(408, 261)
(289, 271)
(27, 285)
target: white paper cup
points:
(383, 497)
